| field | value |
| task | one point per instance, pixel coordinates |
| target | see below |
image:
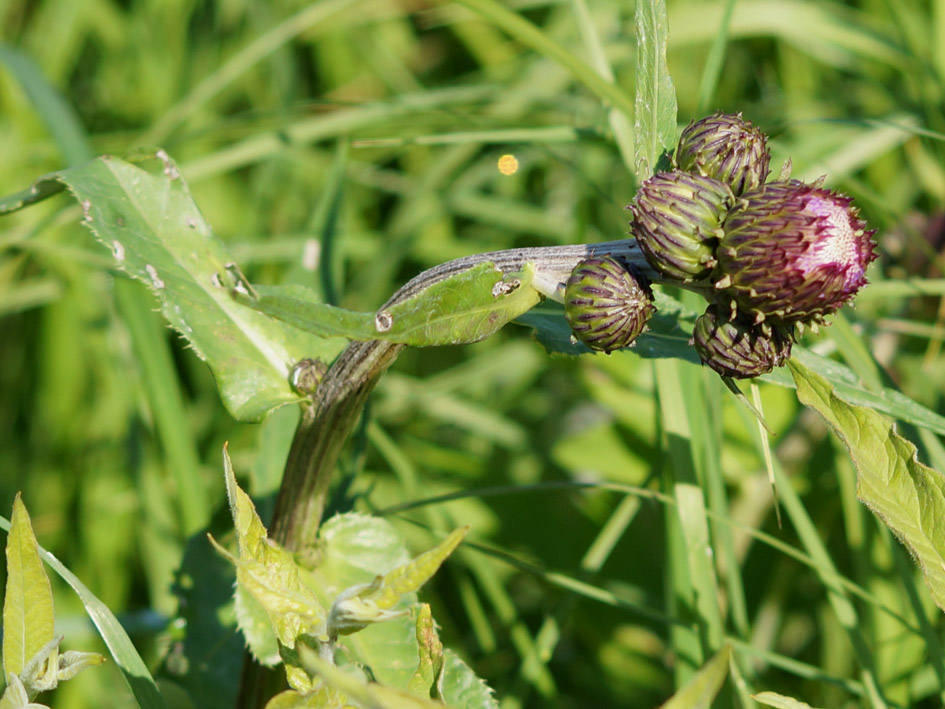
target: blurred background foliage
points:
(349, 144)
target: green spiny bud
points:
(792, 253)
(677, 221)
(727, 148)
(607, 303)
(738, 348)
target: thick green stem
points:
(331, 416)
(322, 431)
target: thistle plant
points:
(771, 255)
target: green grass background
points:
(349, 144)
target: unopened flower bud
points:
(607, 303)
(792, 253)
(677, 221)
(738, 348)
(727, 148)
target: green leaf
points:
(410, 577)
(363, 604)
(460, 687)
(16, 697)
(704, 685)
(267, 572)
(369, 694)
(465, 307)
(779, 701)
(254, 623)
(322, 698)
(28, 614)
(158, 236)
(907, 495)
(655, 105)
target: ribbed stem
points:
(332, 414)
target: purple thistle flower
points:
(792, 253)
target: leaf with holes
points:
(157, 234)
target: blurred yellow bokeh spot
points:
(508, 164)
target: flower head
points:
(727, 148)
(677, 221)
(607, 303)
(792, 252)
(738, 348)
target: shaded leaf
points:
(704, 685)
(907, 495)
(28, 614)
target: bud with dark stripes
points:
(677, 221)
(607, 303)
(738, 348)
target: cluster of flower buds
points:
(770, 256)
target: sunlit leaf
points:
(907, 495)
(268, 572)
(704, 685)
(369, 694)
(28, 614)
(779, 701)
(465, 307)
(363, 604)
(430, 667)
(157, 235)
